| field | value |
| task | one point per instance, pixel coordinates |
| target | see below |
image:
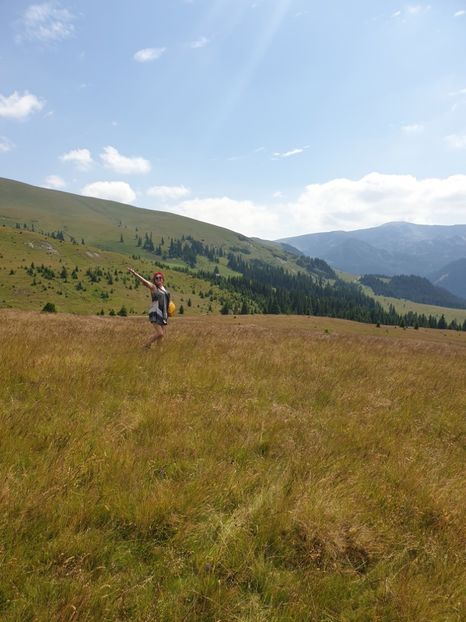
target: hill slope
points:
(103, 223)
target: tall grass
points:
(254, 469)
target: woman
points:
(158, 313)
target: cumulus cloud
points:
(5, 144)
(168, 193)
(54, 181)
(339, 204)
(243, 216)
(80, 157)
(377, 198)
(19, 107)
(199, 43)
(460, 13)
(112, 190)
(148, 54)
(46, 23)
(122, 164)
(456, 141)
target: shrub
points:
(49, 307)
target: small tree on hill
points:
(49, 307)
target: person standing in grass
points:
(158, 312)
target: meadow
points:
(249, 468)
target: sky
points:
(273, 118)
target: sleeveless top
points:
(158, 311)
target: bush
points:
(49, 307)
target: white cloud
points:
(460, 13)
(18, 106)
(377, 198)
(199, 43)
(243, 216)
(168, 192)
(122, 164)
(5, 144)
(112, 190)
(54, 181)
(456, 141)
(149, 54)
(414, 128)
(287, 154)
(81, 157)
(338, 204)
(47, 23)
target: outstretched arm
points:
(141, 278)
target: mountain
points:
(415, 288)
(393, 248)
(452, 277)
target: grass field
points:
(250, 469)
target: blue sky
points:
(270, 117)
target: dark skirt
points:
(156, 319)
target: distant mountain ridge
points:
(392, 249)
(415, 288)
(452, 277)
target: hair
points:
(157, 274)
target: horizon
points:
(274, 118)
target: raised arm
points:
(141, 278)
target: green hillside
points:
(105, 223)
(78, 278)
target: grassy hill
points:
(274, 469)
(72, 251)
(35, 270)
(103, 223)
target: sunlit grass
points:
(248, 469)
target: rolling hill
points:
(73, 251)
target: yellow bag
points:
(171, 309)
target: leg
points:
(157, 336)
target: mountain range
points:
(433, 251)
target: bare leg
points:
(157, 336)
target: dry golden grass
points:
(249, 468)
